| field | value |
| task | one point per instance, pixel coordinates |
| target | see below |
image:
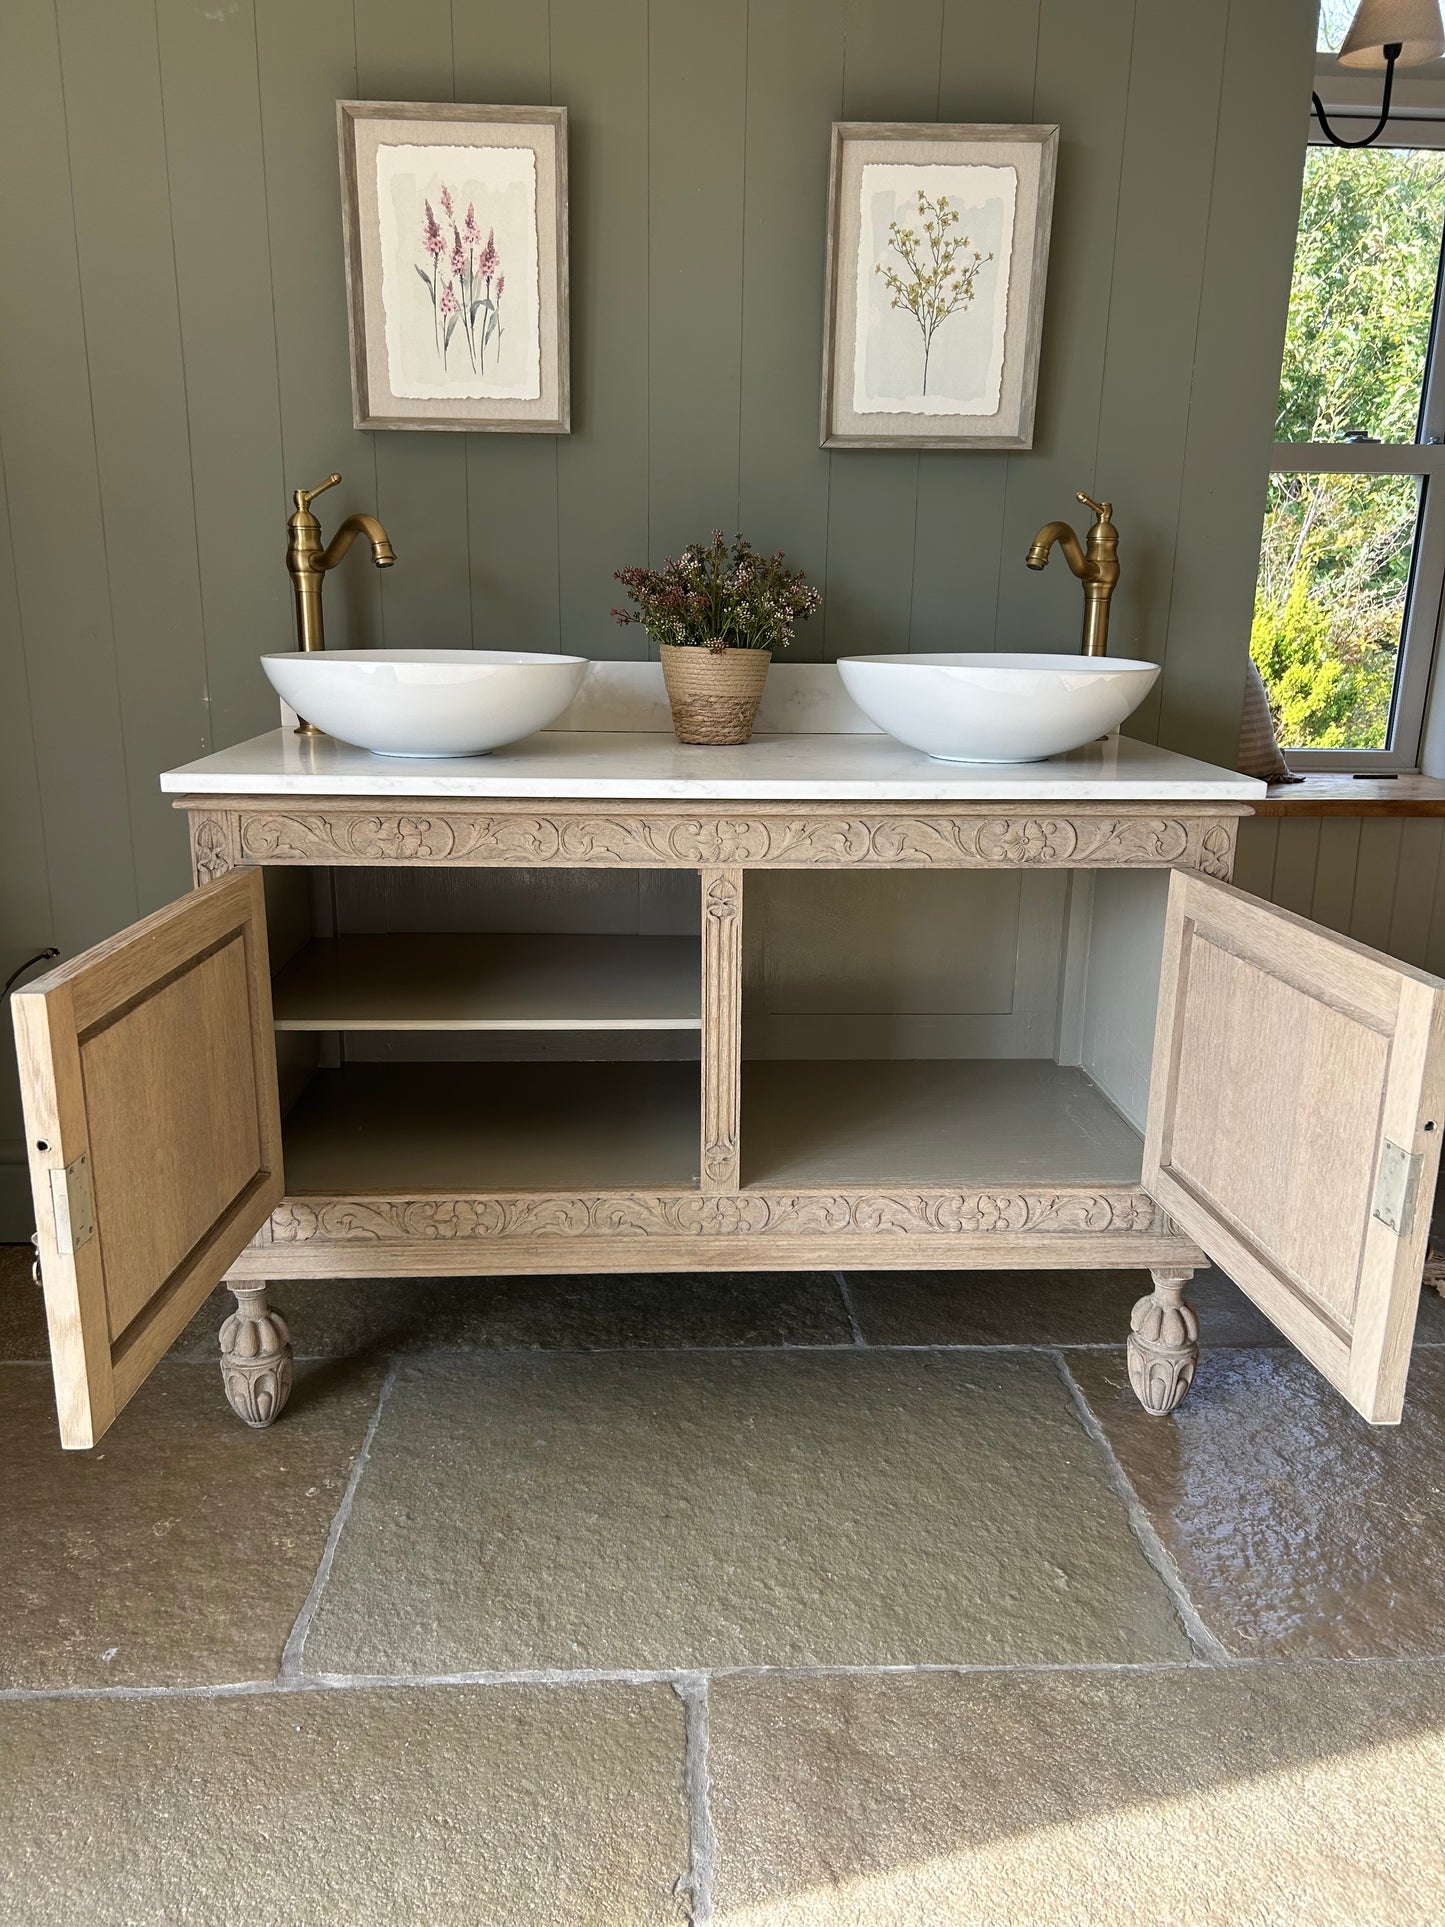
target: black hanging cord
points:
(1392, 54)
(41, 956)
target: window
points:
(1348, 599)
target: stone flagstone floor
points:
(765, 1601)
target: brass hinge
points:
(1396, 1187)
(74, 1210)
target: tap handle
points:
(1102, 509)
(303, 496)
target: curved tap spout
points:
(307, 562)
(1097, 567)
(346, 534)
(1043, 542)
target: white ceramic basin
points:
(989, 708)
(426, 702)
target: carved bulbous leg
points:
(256, 1366)
(1163, 1344)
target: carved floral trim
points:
(903, 1213)
(210, 848)
(580, 839)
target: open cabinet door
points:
(1294, 1126)
(148, 1075)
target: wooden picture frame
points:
(455, 227)
(938, 246)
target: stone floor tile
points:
(734, 1509)
(22, 1309)
(587, 1313)
(1430, 1325)
(1256, 1796)
(517, 1807)
(1298, 1529)
(180, 1550)
(1036, 1308)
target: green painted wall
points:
(172, 359)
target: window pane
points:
(1330, 604)
(1335, 18)
(1363, 293)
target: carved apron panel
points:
(583, 838)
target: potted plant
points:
(716, 615)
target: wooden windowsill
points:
(1334, 793)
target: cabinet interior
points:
(938, 1027)
(476, 1029)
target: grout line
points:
(295, 1647)
(684, 1681)
(698, 1882)
(1200, 1637)
(847, 1297)
(296, 1683)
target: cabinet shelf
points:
(491, 983)
(900, 1121)
(490, 1127)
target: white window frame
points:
(1419, 123)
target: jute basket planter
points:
(714, 692)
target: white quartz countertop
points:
(652, 766)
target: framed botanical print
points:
(938, 244)
(455, 225)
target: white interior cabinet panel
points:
(475, 1127)
(523, 902)
(449, 982)
(1121, 928)
(813, 1122)
(902, 963)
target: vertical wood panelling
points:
(1269, 57)
(503, 54)
(138, 402)
(694, 268)
(1339, 855)
(1144, 408)
(25, 918)
(405, 53)
(306, 62)
(211, 108)
(1435, 939)
(1254, 854)
(1083, 84)
(1296, 854)
(1375, 874)
(599, 70)
(795, 92)
(988, 58)
(1416, 874)
(890, 72)
(48, 434)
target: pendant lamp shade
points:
(1413, 24)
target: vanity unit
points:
(1145, 1067)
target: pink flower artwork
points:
(471, 294)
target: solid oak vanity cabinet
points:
(1154, 1066)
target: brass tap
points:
(1098, 569)
(307, 563)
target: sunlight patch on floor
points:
(1343, 1841)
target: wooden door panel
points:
(1288, 1062)
(148, 1073)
